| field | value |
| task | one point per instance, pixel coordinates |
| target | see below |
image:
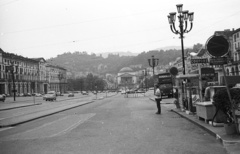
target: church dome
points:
(126, 69)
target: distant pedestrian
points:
(158, 99)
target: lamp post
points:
(183, 18)
(143, 78)
(153, 63)
(11, 69)
(60, 77)
(96, 89)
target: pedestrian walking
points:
(158, 99)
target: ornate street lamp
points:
(60, 77)
(146, 78)
(143, 74)
(153, 63)
(184, 17)
(11, 69)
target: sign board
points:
(197, 61)
(14, 91)
(218, 61)
(164, 78)
(207, 73)
(217, 46)
(189, 84)
(173, 71)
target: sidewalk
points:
(230, 142)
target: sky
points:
(47, 28)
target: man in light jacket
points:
(158, 99)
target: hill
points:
(82, 63)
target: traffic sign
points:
(218, 61)
(14, 91)
(197, 61)
(207, 73)
(174, 71)
(217, 46)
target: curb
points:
(4, 109)
(13, 121)
(218, 137)
(15, 107)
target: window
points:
(237, 35)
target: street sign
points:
(14, 91)
(173, 71)
(217, 46)
(207, 73)
(189, 84)
(197, 61)
(218, 61)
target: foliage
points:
(89, 83)
(83, 62)
(222, 102)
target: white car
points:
(50, 96)
(123, 92)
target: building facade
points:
(127, 78)
(26, 75)
(56, 78)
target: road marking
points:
(52, 129)
(2, 129)
(74, 125)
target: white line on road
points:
(2, 129)
(74, 125)
(52, 129)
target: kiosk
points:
(206, 109)
(189, 92)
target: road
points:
(113, 125)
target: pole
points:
(153, 81)
(145, 79)
(183, 59)
(14, 91)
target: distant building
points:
(56, 76)
(127, 78)
(30, 75)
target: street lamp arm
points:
(189, 29)
(186, 25)
(173, 29)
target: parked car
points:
(37, 94)
(59, 93)
(50, 96)
(123, 92)
(84, 93)
(27, 94)
(71, 95)
(2, 97)
(21, 94)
